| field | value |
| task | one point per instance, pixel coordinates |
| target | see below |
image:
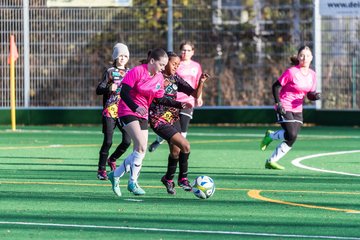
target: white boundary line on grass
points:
(296, 162)
(260, 135)
(176, 230)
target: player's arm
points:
(125, 96)
(276, 87)
(186, 88)
(198, 92)
(170, 102)
(104, 86)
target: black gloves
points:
(313, 96)
(280, 109)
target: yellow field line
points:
(290, 191)
(256, 195)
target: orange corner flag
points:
(13, 50)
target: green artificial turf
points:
(49, 190)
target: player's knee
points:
(174, 154)
(125, 144)
(140, 148)
(108, 144)
(291, 138)
(185, 147)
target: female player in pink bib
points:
(289, 92)
(141, 86)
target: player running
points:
(165, 123)
(289, 92)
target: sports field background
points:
(49, 190)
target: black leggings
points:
(291, 123)
(109, 125)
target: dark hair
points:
(294, 59)
(171, 54)
(156, 54)
(187, 42)
(144, 61)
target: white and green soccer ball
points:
(203, 187)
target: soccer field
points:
(49, 190)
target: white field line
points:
(175, 230)
(190, 134)
(297, 162)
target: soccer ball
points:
(203, 187)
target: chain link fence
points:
(244, 45)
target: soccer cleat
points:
(101, 175)
(115, 184)
(135, 188)
(170, 185)
(154, 146)
(184, 183)
(112, 164)
(266, 140)
(273, 165)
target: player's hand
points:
(141, 110)
(113, 87)
(199, 102)
(313, 96)
(204, 77)
(280, 109)
(186, 105)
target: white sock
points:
(278, 135)
(136, 165)
(184, 134)
(124, 167)
(280, 151)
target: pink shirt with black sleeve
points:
(144, 89)
(295, 86)
(191, 73)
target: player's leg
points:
(139, 134)
(167, 131)
(155, 144)
(183, 144)
(137, 130)
(167, 179)
(291, 127)
(185, 118)
(120, 150)
(270, 136)
(108, 131)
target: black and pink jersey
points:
(160, 114)
(113, 75)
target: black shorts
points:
(125, 120)
(290, 117)
(167, 131)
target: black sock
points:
(183, 165)
(102, 161)
(171, 168)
